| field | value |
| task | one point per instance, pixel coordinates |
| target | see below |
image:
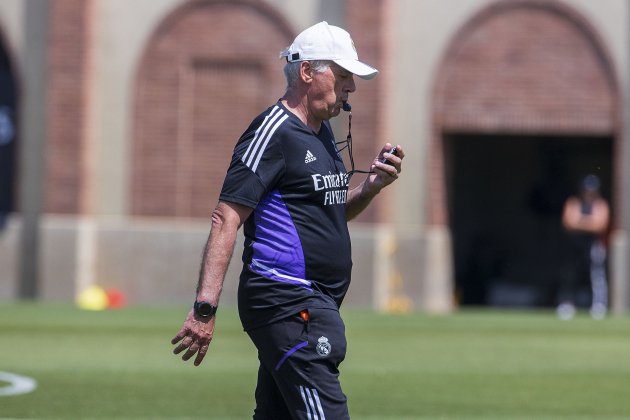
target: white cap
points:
(326, 42)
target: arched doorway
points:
(7, 136)
(200, 82)
(525, 105)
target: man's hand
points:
(384, 173)
(195, 335)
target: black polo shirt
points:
(297, 246)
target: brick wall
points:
(530, 67)
(66, 109)
(367, 26)
(201, 81)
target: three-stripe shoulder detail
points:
(263, 134)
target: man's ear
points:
(306, 72)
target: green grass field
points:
(473, 364)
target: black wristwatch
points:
(204, 309)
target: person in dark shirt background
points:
(585, 218)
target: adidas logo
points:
(309, 157)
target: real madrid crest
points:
(323, 346)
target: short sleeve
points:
(256, 167)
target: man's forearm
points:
(216, 259)
(218, 251)
(358, 199)
(382, 174)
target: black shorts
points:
(298, 376)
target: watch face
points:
(205, 309)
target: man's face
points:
(329, 90)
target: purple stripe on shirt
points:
(277, 249)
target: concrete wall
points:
(157, 261)
(9, 250)
(397, 264)
(11, 21)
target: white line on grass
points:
(17, 384)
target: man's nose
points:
(351, 87)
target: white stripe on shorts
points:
(314, 410)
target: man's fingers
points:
(179, 349)
(178, 337)
(387, 169)
(193, 340)
(190, 352)
(183, 345)
(201, 354)
(191, 348)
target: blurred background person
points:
(7, 134)
(585, 218)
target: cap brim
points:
(356, 67)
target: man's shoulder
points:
(275, 114)
(272, 122)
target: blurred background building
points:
(118, 118)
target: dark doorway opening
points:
(7, 137)
(505, 197)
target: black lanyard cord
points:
(348, 142)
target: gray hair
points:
(292, 70)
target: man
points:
(288, 184)
(585, 219)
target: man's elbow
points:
(218, 217)
(229, 215)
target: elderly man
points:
(288, 185)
